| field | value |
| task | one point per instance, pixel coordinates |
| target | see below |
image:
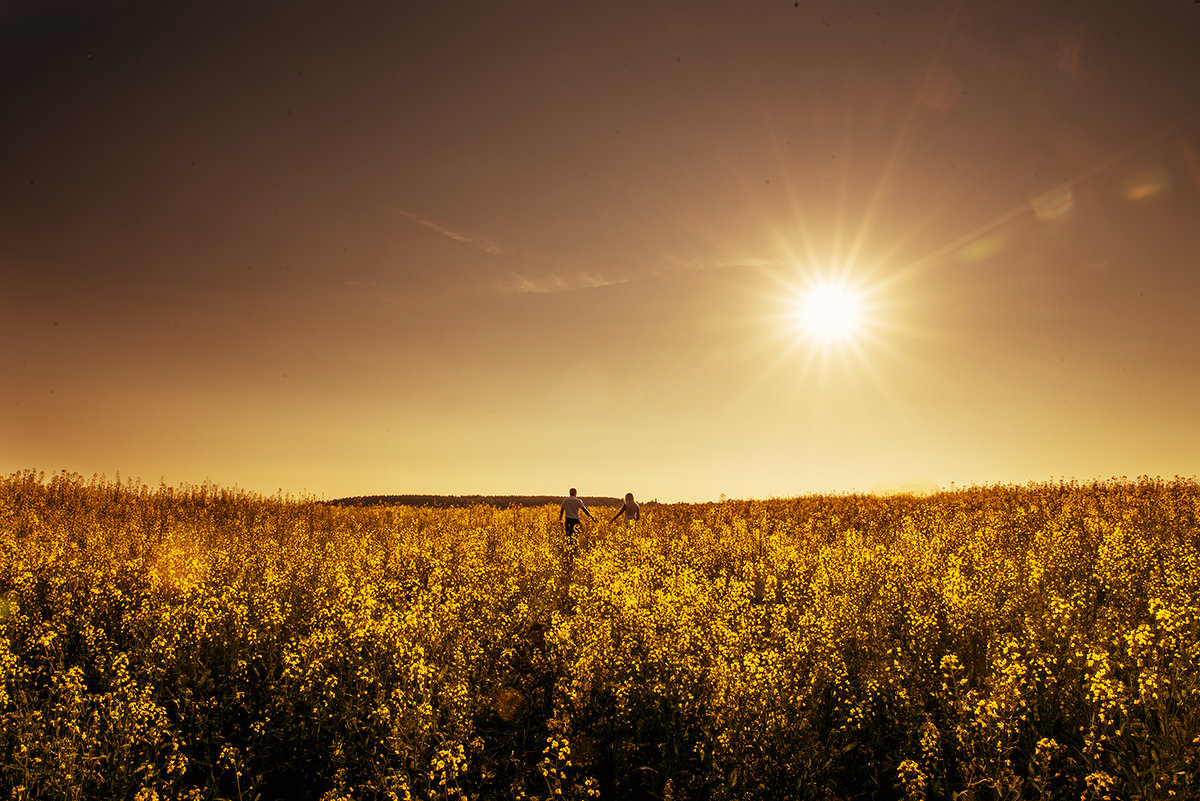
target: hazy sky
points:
(394, 247)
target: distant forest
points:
(444, 501)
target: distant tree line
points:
(447, 501)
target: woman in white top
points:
(629, 509)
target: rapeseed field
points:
(987, 643)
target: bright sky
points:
(363, 248)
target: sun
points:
(830, 313)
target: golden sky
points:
(347, 249)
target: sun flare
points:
(830, 313)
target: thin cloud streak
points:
(677, 265)
(547, 284)
(521, 283)
(474, 240)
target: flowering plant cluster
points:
(992, 642)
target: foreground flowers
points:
(1037, 642)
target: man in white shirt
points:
(570, 509)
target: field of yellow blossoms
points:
(986, 643)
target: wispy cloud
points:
(523, 283)
(465, 237)
(556, 282)
(705, 265)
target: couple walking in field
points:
(568, 512)
(571, 506)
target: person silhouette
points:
(569, 511)
(630, 510)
